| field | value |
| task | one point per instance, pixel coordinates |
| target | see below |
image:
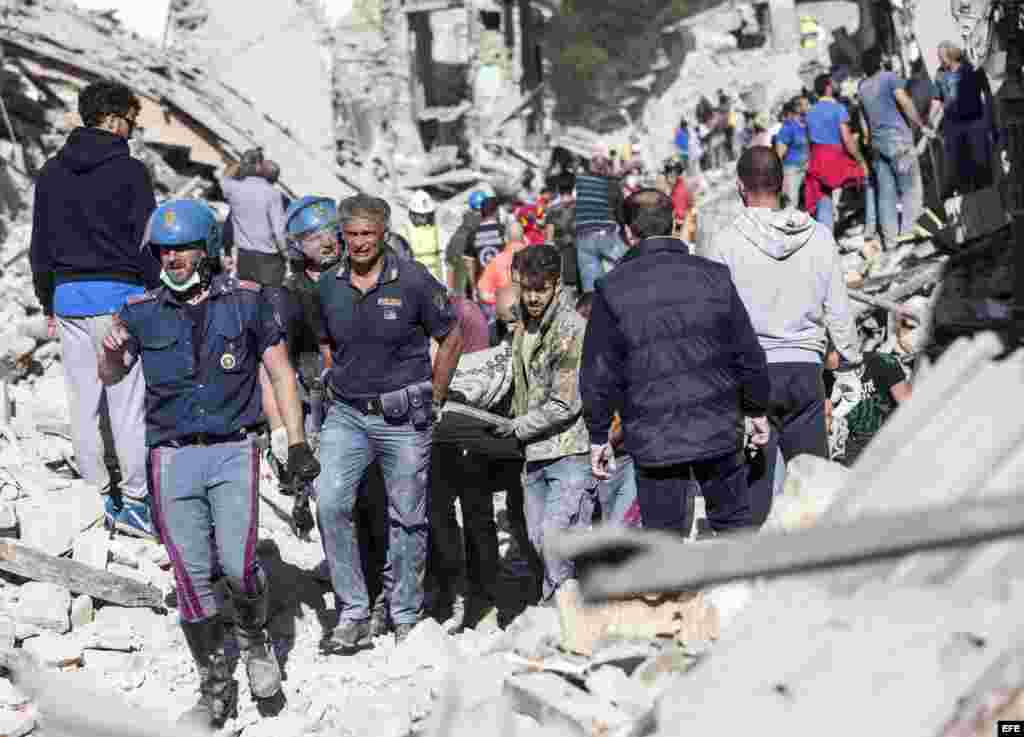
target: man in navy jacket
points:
(671, 347)
(92, 203)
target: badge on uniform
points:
(390, 315)
(228, 361)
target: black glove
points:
(302, 463)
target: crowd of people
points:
(623, 370)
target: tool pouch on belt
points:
(395, 406)
(421, 411)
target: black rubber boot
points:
(261, 664)
(218, 691)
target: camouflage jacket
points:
(546, 401)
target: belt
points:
(206, 438)
(585, 230)
(369, 405)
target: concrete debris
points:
(42, 607)
(82, 612)
(8, 520)
(680, 616)
(812, 484)
(553, 701)
(54, 651)
(16, 723)
(92, 548)
(51, 522)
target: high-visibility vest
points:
(425, 241)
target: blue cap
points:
(184, 223)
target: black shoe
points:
(218, 691)
(348, 636)
(261, 664)
(402, 631)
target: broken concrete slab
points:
(91, 548)
(10, 696)
(55, 651)
(42, 607)
(534, 632)
(8, 520)
(428, 646)
(7, 632)
(555, 702)
(50, 522)
(615, 687)
(812, 484)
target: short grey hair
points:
(364, 206)
(952, 50)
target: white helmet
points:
(421, 203)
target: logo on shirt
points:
(228, 361)
(388, 302)
(487, 254)
(390, 315)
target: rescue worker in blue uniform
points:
(201, 341)
(378, 315)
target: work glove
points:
(302, 463)
(602, 461)
(506, 429)
(847, 392)
(279, 444)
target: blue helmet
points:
(476, 199)
(308, 214)
(184, 223)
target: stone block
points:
(91, 548)
(686, 616)
(812, 484)
(106, 661)
(42, 607)
(428, 646)
(82, 611)
(614, 686)
(7, 632)
(50, 522)
(554, 702)
(11, 697)
(8, 520)
(533, 633)
(54, 650)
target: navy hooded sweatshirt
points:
(92, 204)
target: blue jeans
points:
(899, 181)
(348, 444)
(559, 495)
(824, 212)
(618, 493)
(593, 250)
(793, 184)
(206, 508)
(870, 206)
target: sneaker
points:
(380, 621)
(348, 636)
(135, 519)
(111, 508)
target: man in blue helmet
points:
(459, 276)
(200, 340)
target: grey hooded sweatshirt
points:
(787, 271)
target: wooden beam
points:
(616, 563)
(32, 564)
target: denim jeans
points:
(870, 207)
(793, 184)
(206, 507)
(350, 441)
(618, 493)
(825, 211)
(593, 250)
(559, 495)
(899, 181)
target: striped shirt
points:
(592, 202)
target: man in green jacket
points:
(558, 483)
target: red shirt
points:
(476, 336)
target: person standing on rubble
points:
(422, 234)
(835, 157)
(547, 409)
(888, 108)
(793, 148)
(670, 346)
(787, 270)
(257, 220)
(968, 125)
(379, 314)
(598, 199)
(483, 245)
(459, 276)
(199, 340)
(92, 203)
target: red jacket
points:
(831, 167)
(680, 199)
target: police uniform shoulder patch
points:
(250, 286)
